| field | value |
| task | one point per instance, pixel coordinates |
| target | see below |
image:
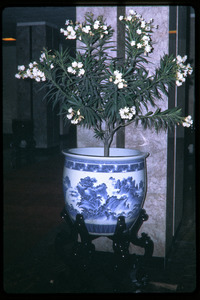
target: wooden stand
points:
(128, 270)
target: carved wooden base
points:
(128, 269)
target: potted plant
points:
(101, 92)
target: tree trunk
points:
(106, 148)
(108, 137)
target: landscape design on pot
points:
(104, 188)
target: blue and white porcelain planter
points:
(104, 188)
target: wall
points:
(150, 141)
(9, 86)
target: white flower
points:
(81, 72)
(138, 16)
(138, 31)
(80, 65)
(139, 45)
(188, 121)
(86, 29)
(146, 38)
(132, 12)
(123, 112)
(133, 110)
(146, 43)
(127, 113)
(77, 116)
(69, 116)
(129, 18)
(184, 58)
(75, 121)
(30, 65)
(178, 83)
(179, 76)
(148, 48)
(118, 75)
(70, 28)
(126, 110)
(21, 68)
(74, 64)
(116, 81)
(28, 72)
(183, 70)
(96, 24)
(121, 18)
(72, 35)
(39, 73)
(51, 66)
(35, 71)
(42, 57)
(179, 59)
(17, 76)
(143, 24)
(120, 85)
(71, 70)
(77, 27)
(190, 71)
(133, 43)
(67, 22)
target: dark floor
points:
(33, 201)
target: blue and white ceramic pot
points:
(104, 188)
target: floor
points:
(33, 202)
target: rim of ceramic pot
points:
(98, 152)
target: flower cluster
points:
(74, 116)
(74, 31)
(139, 31)
(187, 121)
(70, 31)
(47, 61)
(127, 113)
(32, 72)
(76, 68)
(183, 70)
(118, 80)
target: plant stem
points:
(106, 149)
(108, 137)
